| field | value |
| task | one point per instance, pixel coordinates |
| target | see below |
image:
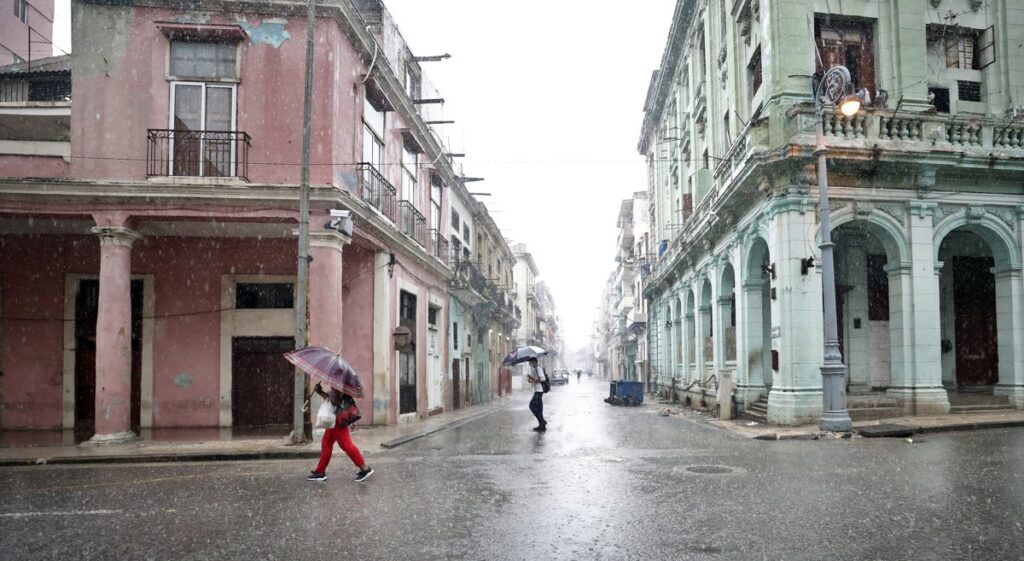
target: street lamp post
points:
(830, 91)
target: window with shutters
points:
(847, 42)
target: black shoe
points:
(314, 476)
(364, 474)
(541, 428)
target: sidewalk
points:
(890, 427)
(371, 440)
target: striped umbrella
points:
(327, 367)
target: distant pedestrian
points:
(578, 373)
(538, 377)
(339, 434)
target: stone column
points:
(1010, 329)
(114, 336)
(325, 280)
(681, 349)
(384, 410)
(795, 397)
(921, 390)
(705, 328)
(901, 303)
(325, 297)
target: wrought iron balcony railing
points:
(197, 153)
(377, 192)
(467, 273)
(439, 246)
(413, 223)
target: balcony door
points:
(203, 123)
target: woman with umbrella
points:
(341, 435)
(344, 385)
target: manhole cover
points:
(709, 469)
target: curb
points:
(958, 427)
(161, 458)
(394, 443)
(219, 456)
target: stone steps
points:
(758, 411)
(985, 408)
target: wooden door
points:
(456, 395)
(87, 296)
(974, 304)
(262, 381)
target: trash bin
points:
(631, 392)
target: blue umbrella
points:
(523, 354)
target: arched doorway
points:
(707, 339)
(727, 311)
(757, 323)
(868, 306)
(971, 338)
(690, 323)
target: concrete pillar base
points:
(115, 438)
(794, 407)
(1014, 392)
(294, 439)
(921, 401)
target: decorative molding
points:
(862, 208)
(975, 212)
(942, 211)
(119, 236)
(922, 209)
(926, 178)
(1006, 215)
(894, 210)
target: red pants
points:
(344, 440)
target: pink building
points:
(26, 30)
(147, 270)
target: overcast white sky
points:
(548, 98)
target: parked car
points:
(560, 377)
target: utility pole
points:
(298, 434)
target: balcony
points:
(413, 223)
(467, 283)
(439, 246)
(636, 322)
(915, 132)
(377, 192)
(185, 153)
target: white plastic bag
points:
(325, 416)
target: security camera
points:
(341, 220)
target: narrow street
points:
(602, 483)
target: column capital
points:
(923, 209)
(331, 239)
(119, 236)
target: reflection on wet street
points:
(602, 483)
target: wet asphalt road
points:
(603, 483)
